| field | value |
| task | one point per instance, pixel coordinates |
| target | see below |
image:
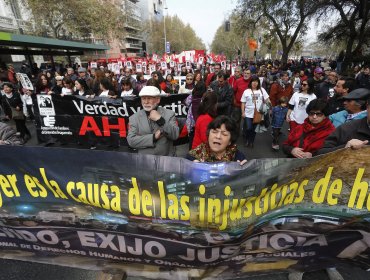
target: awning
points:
(33, 45)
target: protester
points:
(280, 88)
(354, 134)
(57, 88)
(42, 86)
(68, 85)
(306, 139)
(207, 111)
(212, 76)
(106, 89)
(354, 107)
(298, 104)
(13, 109)
(171, 85)
(236, 76)
(253, 98)
(239, 87)
(188, 86)
(82, 89)
(279, 114)
(140, 82)
(153, 129)
(325, 90)
(224, 94)
(342, 88)
(363, 78)
(193, 102)
(127, 88)
(222, 134)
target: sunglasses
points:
(304, 84)
(318, 114)
(189, 79)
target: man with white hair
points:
(153, 129)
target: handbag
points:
(257, 116)
(16, 115)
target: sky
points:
(205, 17)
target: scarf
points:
(203, 153)
(313, 136)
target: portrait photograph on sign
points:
(138, 67)
(163, 65)
(172, 64)
(151, 69)
(129, 64)
(188, 65)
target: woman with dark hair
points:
(82, 88)
(207, 112)
(106, 89)
(127, 89)
(13, 109)
(192, 102)
(43, 85)
(298, 104)
(140, 81)
(222, 134)
(254, 97)
(157, 75)
(67, 87)
(197, 77)
(99, 75)
(307, 138)
(171, 85)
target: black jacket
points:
(356, 129)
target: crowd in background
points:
(254, 95)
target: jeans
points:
(249, 130)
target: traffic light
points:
(227, 26)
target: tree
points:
(352, 26)
(228, 42)
(181, 36)
(287, 18)
(80, 18)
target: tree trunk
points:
(348, 58)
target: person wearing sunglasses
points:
(298, 104)
(188, 86)
(306, 139)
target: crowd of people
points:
(310, 96)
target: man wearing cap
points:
(354, 134)
(153, 129)
(82, 73)
(317, 77)
(354, 107)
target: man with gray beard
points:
(153, 129)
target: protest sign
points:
(100, 209)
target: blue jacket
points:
(278, 116)
(341, 117)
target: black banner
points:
(149, 213)
(93, 120)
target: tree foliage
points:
(288, 19)
(77, 18)
(181, 36)
(352, 26)
(228, 42)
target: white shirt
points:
(248, 98)
(104, 93)
(66, 91)
(300, 102)
(127, 93)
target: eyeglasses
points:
(318, 114)
(304, 84)
(189, 79)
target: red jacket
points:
(313, 136)
(277, 91)
(239, 87)
(200, 133)
(210, 78)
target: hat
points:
(327, 68)
(149, 91)
(357, 94)
(318, 70)
(81, 69)
(59, 78)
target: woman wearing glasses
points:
(307, 138)
(189, 84)
(298, 104)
